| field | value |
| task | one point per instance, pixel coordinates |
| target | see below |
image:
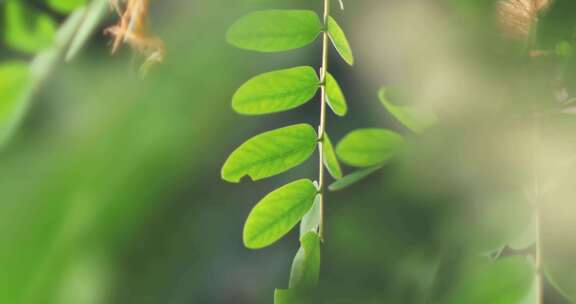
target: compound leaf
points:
(276, 91)
(271, 153)
(275, 30)
(278, 212)
(369, 147)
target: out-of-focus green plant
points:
(277, 151)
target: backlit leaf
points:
(417, 119)
(271, 153)
(278, 212)
(330, 159)
(369, 147)
(335, 97)
(275, 30)
(352, 178)
(276, 91)
(340, 41)
(306, 264)
(311, 220)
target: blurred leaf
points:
(526, 238)
(27, 29)
(334, 96)
(277, 213)
(330, 159)
(14, 82)
(414, 118)
(505, 281)
(271, 153)
(352, 178)
(284, 296)
(306, 265)
(311, 220)
(65, 6)
(276, 91)
(275, 30)
(340, 41)
(369, 147)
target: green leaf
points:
(330, 159)
(14, 82)
(278, 212)
(340, 41)
(306, 265)
(507, 280)
(275, 30)
(312, 218)
(26, 29)
(416, 119)
(284, 296)
(352, 178)
(65, 6)
(271, 153)
(335, 97)
(369, 147)
(276, 91)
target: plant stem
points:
(322, 127)
(538, 254)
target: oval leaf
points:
(369, 147)
(276, 91)
(27, 29)
(306, 264)
(275, 30)
(340, 41)
(271, 153)
(508, 280)
(311, 220)
(417, 119)
(278, 212)
(335, 97)
(352, 178)
(330, 159)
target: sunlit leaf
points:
(275, 30)
(306, 264)
(65, 6)
(271, 153)
(369, 147)
(335, 97)
(507, 280)
(27, 29)
(278, 212)
(330, 159)
(311, 220)
(416, 119)
(284, 296)
(276, 91)
(352, 178)
(340, 41)
(14, 81)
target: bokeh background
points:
(110, 188)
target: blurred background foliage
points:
(110, 189)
